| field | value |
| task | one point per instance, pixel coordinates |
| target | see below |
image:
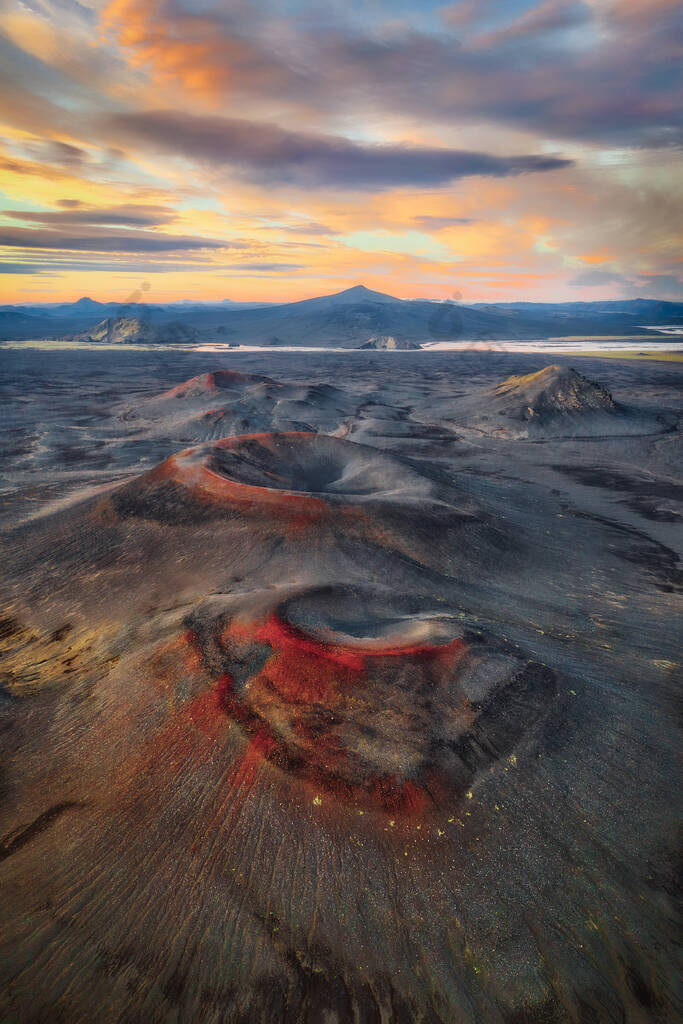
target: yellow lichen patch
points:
(31, 659)
(517, 381)
(660, 356)
(469, 959)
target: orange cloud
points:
(488, 238)
(189, 51)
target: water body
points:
(550, 346)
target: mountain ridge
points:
(352, 318)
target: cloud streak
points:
(128, 216)
(432, 223)
(109, 242)
(272, 154)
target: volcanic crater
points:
(380, 699)
(294, 472)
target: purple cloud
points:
(274, 155)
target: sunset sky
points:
(277, 149)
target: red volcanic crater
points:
(370, 698)
(236, 403)
(217, 380)
(283, 475)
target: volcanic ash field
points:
(341, 692)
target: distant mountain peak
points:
(360, 292)
(349, 296)
(356, 289)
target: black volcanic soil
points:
(362, 712)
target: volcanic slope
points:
(553, 402)
(226, 402)
(300, 730)
(212, 661)
(313, 501)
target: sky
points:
(482, 150)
